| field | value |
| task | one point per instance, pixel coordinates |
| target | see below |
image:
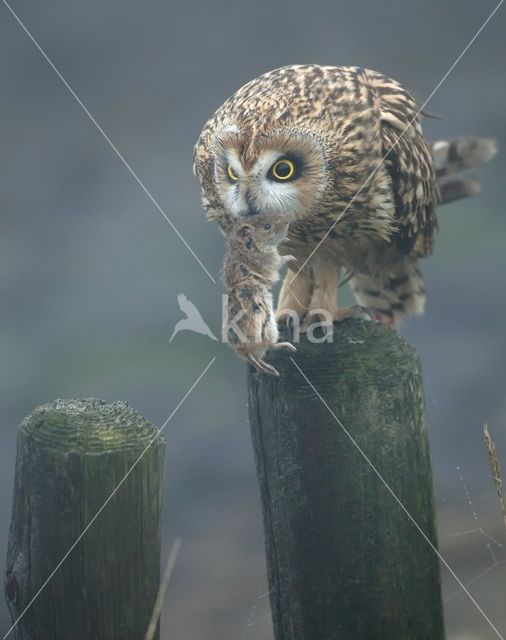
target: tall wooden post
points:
(71, 457)
(344, 560)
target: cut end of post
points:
(357, 350)
(89, 426)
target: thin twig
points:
(496, 469)
(157, 609)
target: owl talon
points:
(384, 318)
(284, 318)
(321, 321)
(356, 311)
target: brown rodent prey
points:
(251, 267)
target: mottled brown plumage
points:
(364, 180)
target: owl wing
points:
(408, 160)
(409, 165)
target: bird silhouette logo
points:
(193, 320)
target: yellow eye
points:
(232, 174)
(283, 170)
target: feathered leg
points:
(295, 294)
(323, 307)
(401, 292)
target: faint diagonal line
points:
(122, 481)
(375, 170)
(295, 296)
(397, 499)
(111, 144)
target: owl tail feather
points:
(451, 157)
(393, 297)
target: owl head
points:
(276, 172)
(289, 144)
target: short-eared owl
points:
(316, 145)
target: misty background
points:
(90, 270)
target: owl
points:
(339, 153)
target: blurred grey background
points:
(90, 270)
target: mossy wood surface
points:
(344, 561)
(71, 456)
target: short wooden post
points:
(71, 456)
(344, 560)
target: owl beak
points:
(252, 210)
